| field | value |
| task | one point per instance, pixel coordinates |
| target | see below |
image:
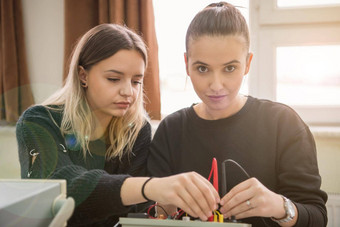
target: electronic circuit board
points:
(147, 222)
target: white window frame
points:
(271, 27)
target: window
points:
(296, 48)
(172, 19)
(304, 3)
(308, 75)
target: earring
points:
(83, 84)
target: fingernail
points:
(221, 202)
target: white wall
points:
(44, 38)
(328, 150)
(9, 160)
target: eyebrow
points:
(139, 76)
(121, 73)
(114, 71)
(202, 63)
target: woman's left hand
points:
(251, 198)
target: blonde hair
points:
(97, 44)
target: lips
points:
(216, 98)
(123, 105)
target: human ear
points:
(186, 63)
(82, 75)
(248, 61)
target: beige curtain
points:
(138, 15)
(15, 90)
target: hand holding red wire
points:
(189, 191)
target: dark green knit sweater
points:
(93, 182)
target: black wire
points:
(245, 172)
(236, 163)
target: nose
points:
(126, 89)
(216, 83)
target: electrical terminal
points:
(221, 218)
(218, 217)
(186, 218)
(161, 216)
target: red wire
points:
(180, 214)
(215, 170)
(215, 180)
(215, 184)
(150, 216)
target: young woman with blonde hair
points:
(94, 132)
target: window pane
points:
(300, 3)
(308, 75)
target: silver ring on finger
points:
(249, 204)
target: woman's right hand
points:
(189, 191)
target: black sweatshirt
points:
(93, 182)
(268, 139)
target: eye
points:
(113, 79)
(136, 82)
(230, 68)
(202, 69)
